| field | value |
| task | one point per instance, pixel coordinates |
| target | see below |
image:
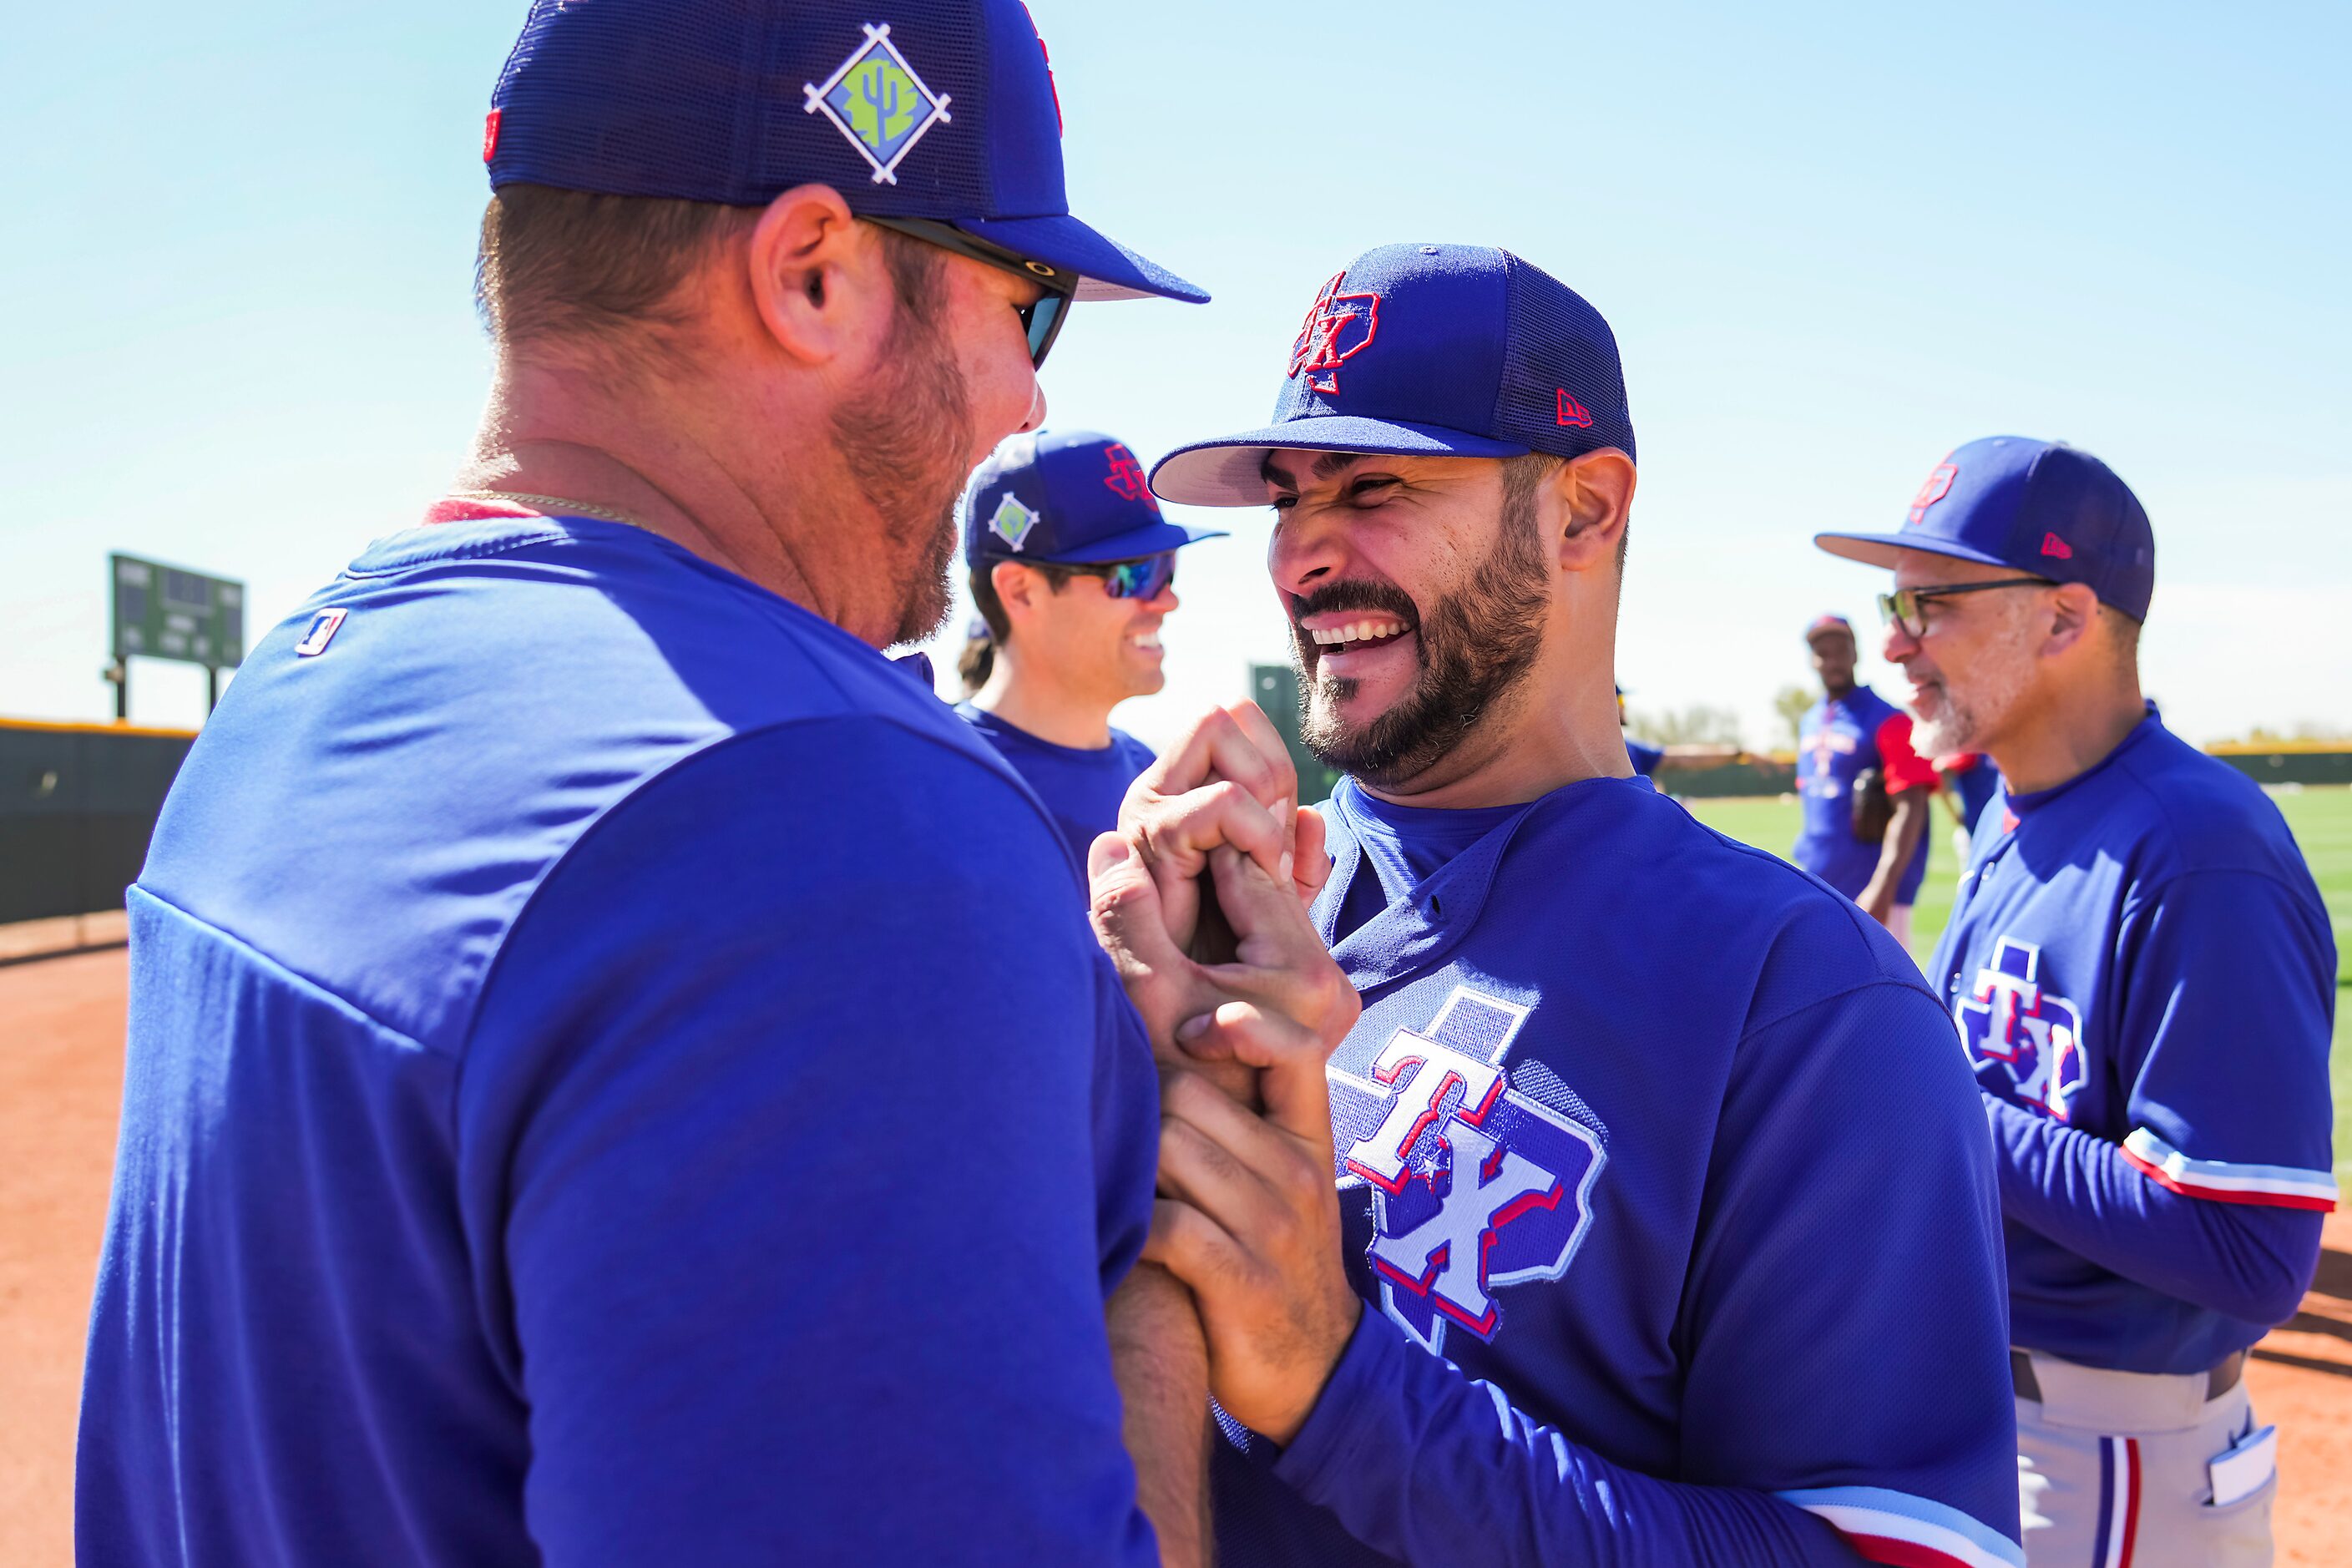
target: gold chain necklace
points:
(556, 504)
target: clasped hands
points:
(1200, 900)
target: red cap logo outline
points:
(1937, 486)
(1125, 478)
(1328, 337)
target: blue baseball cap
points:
(2037, 506)
(1073, 498)
(937, 109)
(1459, 351)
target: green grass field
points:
(2322, 821)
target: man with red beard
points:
(618, 1073)
(1606, 1236)
(2143, 977)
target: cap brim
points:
(1105, 268)
(1226, 472)
(1886, 549)
(1132, 545)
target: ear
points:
(2074, 613)
(1017, 588)
(817, 279)
(1595, 497)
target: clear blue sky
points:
(1835, 241)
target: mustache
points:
(1357, 595)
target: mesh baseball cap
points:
(1441, 350)
(944, 110)
(1821, 623)
(1074, 498)
(2037, 506)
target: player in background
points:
(1557, 1263)
(1853, 747)
(1073, 569)
(1968, 781)
(617, 1072)
(2144, 980)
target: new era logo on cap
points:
(1438, 350)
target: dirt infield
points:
(61, 1079)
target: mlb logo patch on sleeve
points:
(323, 627)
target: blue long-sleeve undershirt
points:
(2249, 1261)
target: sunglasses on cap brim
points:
(1042, 322)
(1144, 579)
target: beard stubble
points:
(904, 439)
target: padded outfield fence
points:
(78, 803)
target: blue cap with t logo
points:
(1073, 498)
(1437, 349)
(2037, 506)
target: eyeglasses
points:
(1041, 322)
(1903, 607)
(1144, 579)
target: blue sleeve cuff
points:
(1342, 1436)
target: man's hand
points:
(1200, 795)
(1249, 1215)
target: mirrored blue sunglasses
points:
(1144, 579)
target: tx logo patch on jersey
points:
(1822, 748)
(878, 102)
(1338, 328)
(2024, 1032)
(1476, 1186)
(1012, 522)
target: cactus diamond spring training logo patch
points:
(1012, 522)
(879, 103)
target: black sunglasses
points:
(1902, 607)
(1041, 322)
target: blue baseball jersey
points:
(1838, 739)
(1082, 787)
(1644, 757)
(617, 1072)
(1628, 1104)
(2140, 954)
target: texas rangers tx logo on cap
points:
(1338, 328)
(878, 102)
(1475, 1186)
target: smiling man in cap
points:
(1605, 1237)
(581, 1105)
(2143, 977)
(1074, 571)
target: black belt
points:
(2218, 1381)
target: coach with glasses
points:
(2142, 974)
(1073, 570)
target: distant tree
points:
(2305, 733)
(1790, 703)
(1697, 725)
